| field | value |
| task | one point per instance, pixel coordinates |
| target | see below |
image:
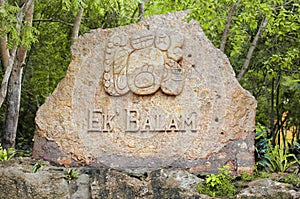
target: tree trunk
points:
(4, 50)
(251, 49)
(278, 114)
(4, 85)
(227, 26)
(272, 116)
(14, 85)
(13, 106)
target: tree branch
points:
(133, 13)
(52, 20)
(227, 26)
(141, 10)
(22, 51)
(77, 22)
(262, 26)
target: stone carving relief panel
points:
(148, 95)
(143, 63)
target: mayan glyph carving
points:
(143, 63)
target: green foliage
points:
(218, 185)
(74, 5)
(153, 7)
(109, 14)
(71, 174)
(6, 154)
(18, 32)
(212, 18)
(9, 20)
(246, 177)
(273, 159)
(262, 174)
(291, 179)
(261, 141)
(295, 149)
(24, 150)
(28, 36)
(278, 159)
(257, 174)
(243, 180)
(37, 166)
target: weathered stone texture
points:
(17, 181)
(267, 188)
(149, 95)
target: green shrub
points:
(37, 166)
(273, 158)
(262, 142)
(277, 159)
(6, 154)
(71, 174)
(291, 179)
(219, 185)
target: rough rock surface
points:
(150, 95)
(18, 181)
(267, 188)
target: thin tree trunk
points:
(268, 101)
(4, 85)
(297, 134)
(293, 136)
(13, 107)
(4, 50)
(77, 22)
(141, 10)
(279, 115)
(227, 26)
(251, 49)
(14, 86)
(272, 119)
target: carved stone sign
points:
(144, 63)
(149, 95)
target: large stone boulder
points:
(156, 94)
